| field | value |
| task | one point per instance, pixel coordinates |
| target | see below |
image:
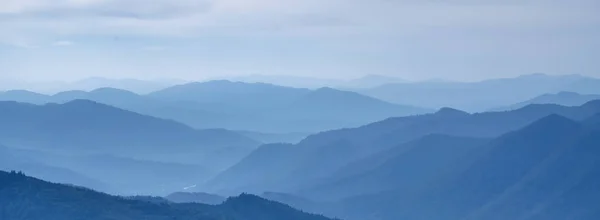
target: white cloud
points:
(316, 35)
(196, 17)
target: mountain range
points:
(483, 95)
(289, 167)
(257, 107)
(546, 170)
(367, 81)
(98, 126)
(88, 84)
(23, 197)
(323, 150)
(92, 139)
(561, 98)
(107, 173)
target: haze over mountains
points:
(560, 98)
(299, 110)
(530, 173)
(322, 154)
(239, 106)
(332, 151)
(484, 95)
(88, 84)
(367, 81)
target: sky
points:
(45, 40)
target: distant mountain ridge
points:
(483, 95)
(90, 123)
(86, 127)
(11, 160)
(561, 98)
(256, 107)
(366, 81)
(289, 167)
(536, 160)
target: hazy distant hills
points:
(94, 125)
(328, 108)
(23, 197)
(270, 108)
(367, 81)
(484, 95)
(11, 159)
(234, 96)
(24, 96)
(230, 105)
(86, 127)
(183, 112)
(88, 84)
(286, 167)
(561, 98)
(370, 81)
(322, 150)
(134, 85)
(113, 174)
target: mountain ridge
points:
(56, 201)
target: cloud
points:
(198, 17)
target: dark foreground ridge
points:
(27, 198)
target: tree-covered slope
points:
(26, 198)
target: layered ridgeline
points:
(561, 98)
(114, 149)
(88, 125)
(23, 197)
(483, 95)
(240, 106)
(321, 164)
(106, 173)
(547, 171)
(11, 159)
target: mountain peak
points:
(328, 95)
(85, 102)
(534, 75)
(109, 90)
(326, 89)
(553, 121)
(217, 81)
(567, 93)
(592, 104)
(450, 112)
(87, 105)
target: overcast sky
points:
(197, 39)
